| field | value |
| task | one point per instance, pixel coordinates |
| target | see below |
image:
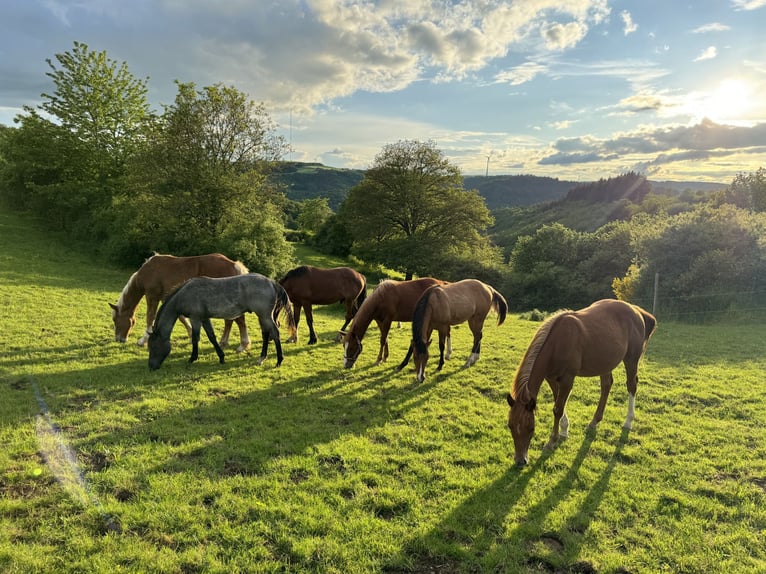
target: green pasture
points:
(108, 467)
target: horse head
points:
(352, 348)
(521, 423)
(123, 323)
(159, 349)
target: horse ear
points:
(532, 405)
(113, 306)
(510, 400)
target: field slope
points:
(108, 467)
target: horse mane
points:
(363, 316)
(418, 319)
(241, 267)
(524, 371)
(160, 313)
(129, 287)
(297, 272)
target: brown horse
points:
(587, 343)
(440, 307)
(157, 278)
(307, 286)
(390, 301)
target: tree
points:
(411, 213)
(313, 213)
(748, 191)
(67, 157)
(201, 183)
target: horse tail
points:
(361, 297)
(650, 324)
(283, 302)
(500, 305)
(421, 318)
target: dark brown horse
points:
(590, 342)
(440, 307)
(390, 301)
(307, 286)
(157, 278)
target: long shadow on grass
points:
(475, 536)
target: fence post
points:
(656, 285)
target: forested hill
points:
(310, 180)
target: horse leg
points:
(210, 332)
(606, 386)
(195, 341)
(564, 422)
(224, 340)
(269, 330)
(384, 327)
(564, 386)
(631, 370)
(406, 358)
(244, 337)
(350, 312)
(293, 338)
(151, 313)
(310, 322)
(185, 323)
(476, 349)
(442, 339)
(449, 346)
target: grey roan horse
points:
(203, 298)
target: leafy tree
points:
(201, 184)
(411, 213)
(68, 167)
(748, 191)
(313, 213)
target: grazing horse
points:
(157, 278)
(587, 343)
(203, 298)
(440, 307)
(390, 301)
(307, 286)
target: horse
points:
(157, 278)
(442, 306)
(203, 298)
(586, 343)
(390, 301)
(307, 285)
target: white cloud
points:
(707, 54)
(712, 27)
(521, 74)
(629, 26)
(748, 4)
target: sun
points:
(729, 102)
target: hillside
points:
(309, 180)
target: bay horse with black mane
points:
(307, 285)
(390, 301)
(203, 298)
(157, 278)
(442, 306)
(590, 342)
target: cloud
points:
(748, 4)
(521, 74)
(712, 27)
(701, 140)
(629, 25)
(559, 36)
(707, 54)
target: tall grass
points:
(108, 467)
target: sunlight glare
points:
(730, 102)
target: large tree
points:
(201, 184)
(411, 213)
(66, 158)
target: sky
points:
(573, 89)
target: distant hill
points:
(310, 180)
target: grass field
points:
(108, 467)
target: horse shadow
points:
(493, 529)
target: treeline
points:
(95, 162)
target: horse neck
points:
(530, 373)
(364, 317)
(165, 319)
(131, 294)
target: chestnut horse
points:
(587, 343)
(389, 301)
(157, 278)
(442, 306)
(307, 286)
